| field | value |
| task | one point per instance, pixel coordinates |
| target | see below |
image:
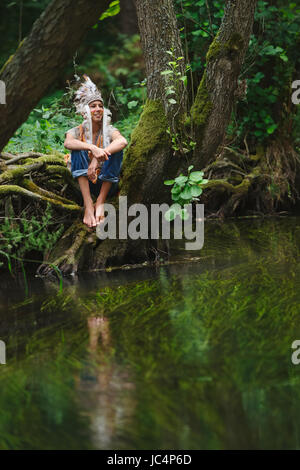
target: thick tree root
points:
(7, 190)
(68, 253)
(259, 183)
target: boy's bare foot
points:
(89, 217)
(99, 212)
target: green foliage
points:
(118, 70)
(272, 63)
(185, 190)
(181, 143)
(198, 26)
(174, 79)
(113, 10)
(174, 76)
(45, 129)
(269, 68)
(20, 236)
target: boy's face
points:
(96, 108)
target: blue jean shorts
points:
(110, 170)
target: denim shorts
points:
(110, 170)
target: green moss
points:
(14, 174)
(224, 185)
(149, 134)
(214, 49)
(8, 189)
(219, 49)
(49, 159)
(187, 122)
(202, 105)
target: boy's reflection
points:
(106, 392)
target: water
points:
(191, 355)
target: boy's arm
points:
(71, 143)
(118, 143)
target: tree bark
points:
(159, 34)
(127, 17)
(214, 101)
(38, 61)
(149, 156)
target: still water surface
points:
(195, 354)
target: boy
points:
(94, 143)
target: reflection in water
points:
(105, 389)
(191, 356)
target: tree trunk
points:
(214, 101)
(149, 155)
(38, 61)
(127, 17)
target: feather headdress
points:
(86, 94)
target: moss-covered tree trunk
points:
(149, 155)
(41, 56)
(211, 111)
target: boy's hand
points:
(93, 170)
(100, 154)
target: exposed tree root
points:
(7, 190)
(264, 182)
(72, 244)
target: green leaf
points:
(272, 128)
(172, 101)
(181, 179)
(166, 72)
(169, 182)
(186, 193)
(196, 176)
(196, 191)
(175, 196)
(190, 168)
(184, 79)
(132, 104)
(170, 91)
(176, 189)
(113, 10)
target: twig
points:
(209, 19)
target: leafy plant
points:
(174, 79)
(174, 76)
(20, 236)
(185, 190)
